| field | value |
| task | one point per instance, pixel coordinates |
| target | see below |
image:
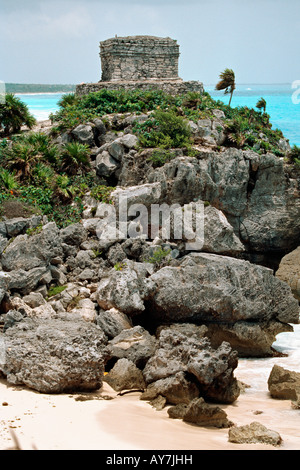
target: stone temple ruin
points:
(143, 62)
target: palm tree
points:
(261, 104)
(14, 114)
(227, 82)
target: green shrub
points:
(294, 155)
(160, 157)
(8, 180)
(13, 115)
(75, 156)
(102, 193)
(165, 130)
(160, 257)
(34, 230)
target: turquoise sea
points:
(284, 112)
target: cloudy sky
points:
(50, 41)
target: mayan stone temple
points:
(144, 62)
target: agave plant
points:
(227, 82)
(261, 104)
(76, 156)
(14, 114)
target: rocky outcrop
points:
(159, 314)
(54, 355)
(255, 193)
(183, 349)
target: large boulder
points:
(250, 339)
(284, 384)
(31, 251)
(214, 288)
(185, 350)
(26, 281)
(54, 355)
(125, 287)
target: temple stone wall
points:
(170, 87)
(139, 58)
(140, 62)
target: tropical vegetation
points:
(13, 115)
(50, 178)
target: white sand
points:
(55, 422)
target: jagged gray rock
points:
(175, 388)
(28, 252)
(135, 344)
(256, 193)
(125, 376)
(125, 288)
(106, 165)
(73, 234)
(84, 134)
(185, 349)
(215, 288)
(54, 355)
(113, 322)
(203, 414)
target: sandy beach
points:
(94, 422)
(103, 420)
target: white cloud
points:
(41, 23)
